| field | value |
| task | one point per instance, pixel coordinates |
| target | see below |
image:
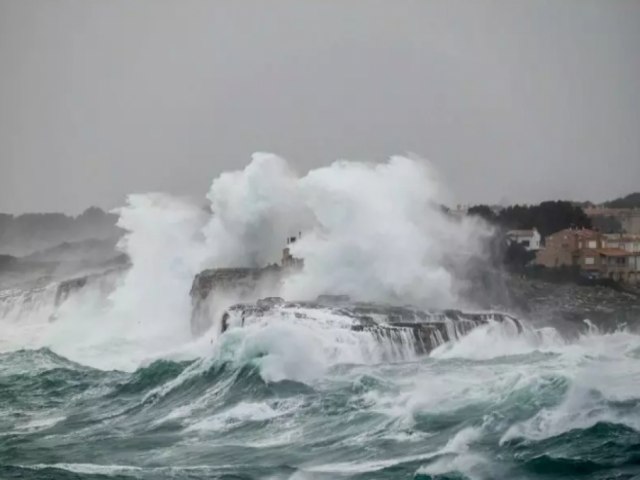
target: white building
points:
(529, 239)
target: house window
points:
(589, 260)
(593, 244)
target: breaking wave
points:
(257, 408)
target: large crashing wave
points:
(372, 231)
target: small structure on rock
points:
(242, 283)
(288, 260)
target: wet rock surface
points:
(213, 279)
(238, 283)
(424, 330)
(567, 306)
(544, 302)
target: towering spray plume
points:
(254, 210)
(370, 231)
(164, 241)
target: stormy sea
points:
(382, 343)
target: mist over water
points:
(111, 382)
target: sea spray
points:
(379, 234)
(146, 316)
(254, 211)
(164, 243)
(371, 231)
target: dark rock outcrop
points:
(239, 283)
(420, 330)
(566, 305)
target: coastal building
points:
(623, 241)
(529, 239)
(564, 248)
(602, 256)
(633, 274)
(629, 218)
(613, 263)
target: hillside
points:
(629, 201)
(32, 232)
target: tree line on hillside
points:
(547, 217)
(629, 201)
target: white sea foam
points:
(298, 344)
(240, 413)
(603, 370)
(459, 444)
(38, 424)
(501, 339)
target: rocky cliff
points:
(418, 330)
(215, 289)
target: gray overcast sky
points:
(512, 100)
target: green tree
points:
(547, 217)
(484, 212)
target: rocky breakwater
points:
(566, 306)
(407, 327)
(214, 290)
